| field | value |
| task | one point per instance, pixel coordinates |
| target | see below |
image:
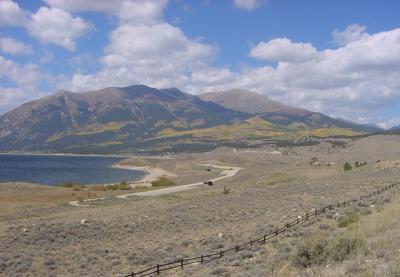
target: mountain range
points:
(279, 113)
(137, 117)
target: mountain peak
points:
(250, 102)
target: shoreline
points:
(150, 174)
(169, 156)
(68, 155)
(153, 174)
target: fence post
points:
(237, 248)
(158, 269)
(182, 263)
(202, 259)
(264, 239)
(221, 254)
(276, 232)
(133, 274)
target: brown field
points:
(42, 235)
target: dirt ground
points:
(42, 235)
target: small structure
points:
(210, 183)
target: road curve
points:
(227, 172)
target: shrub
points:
(347, 166)
(323, 250)
(348, 219)
(360, 164)
(124, 186)
(69, 185)
(98, 188)
(163, 182)
(77, 187)
(313, 160)
(121, 186)
(226, 190)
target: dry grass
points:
(368, 247)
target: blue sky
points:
(338, 57)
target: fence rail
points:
(157, 269)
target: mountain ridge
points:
(120, 119)
(279, 113)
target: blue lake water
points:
(53, 170)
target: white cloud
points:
(351, 34)
(283, 50)
(248, 5)
(24, 80)
(356, 81)
(157, 54)
(390, 123)
(212, 76)
(53, 25)
(127, 10)
(25, 76)
(11, 46)
(11, 14)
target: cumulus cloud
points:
(213, 76)
(248, 5)
(352, 33)
(21, 89)
(390, 123)
(355, 81)
(158, 55)
(11, 46)
(147, 51)
(126, 10)
(53, 25)
(283, 50)
(13, 72)
(11, 14)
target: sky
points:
(338, 57)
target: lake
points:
(54, 169)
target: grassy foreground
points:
(360, 243)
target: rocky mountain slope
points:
(138, 117)
(279, 113)
(111, 116)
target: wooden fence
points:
(181, 263)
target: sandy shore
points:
(153, 174)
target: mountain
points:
(278, 113)
(395, 128)
(117, 117)
(140, 118)
(250, 102)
